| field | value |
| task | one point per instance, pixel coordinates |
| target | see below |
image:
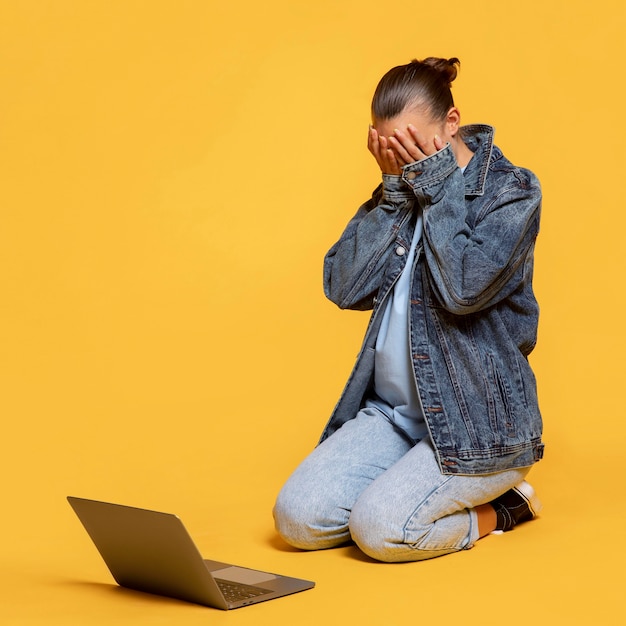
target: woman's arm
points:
(354, 266)
(474, 260)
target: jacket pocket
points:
(503, 400)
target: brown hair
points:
(417, 84)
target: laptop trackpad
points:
(243, 575)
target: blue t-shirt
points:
(395, 388)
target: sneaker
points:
(517, 505)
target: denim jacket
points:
(473, 317)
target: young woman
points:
(438, 425)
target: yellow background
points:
(171, 174)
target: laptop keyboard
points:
(234, 592)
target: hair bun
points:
(447, 67)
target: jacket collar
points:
(479, 139)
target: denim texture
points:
(368, 484)
(473, 319)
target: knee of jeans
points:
(290, 519)
(373, 531)
(381, 537)
(302, 524)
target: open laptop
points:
(153, 552)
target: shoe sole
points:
(528, 493)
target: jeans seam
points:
(414, 545)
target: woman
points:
(438, 425)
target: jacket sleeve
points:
(474, 261)
(355, 265)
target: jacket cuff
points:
(431, 170)
(395, 188)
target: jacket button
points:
(400, 251)
(411, 175)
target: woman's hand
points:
(411, 145)
(378, 145)
(401, 148)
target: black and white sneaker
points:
(517, 505)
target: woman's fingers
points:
(390, 164)
(402, 148)
(407, 147)
(373, 144)
(426, 146)
(417, 138)
(379, 147)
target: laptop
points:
(153, 552)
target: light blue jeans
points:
(367, 483)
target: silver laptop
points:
(153, 552)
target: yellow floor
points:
(564, 567)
